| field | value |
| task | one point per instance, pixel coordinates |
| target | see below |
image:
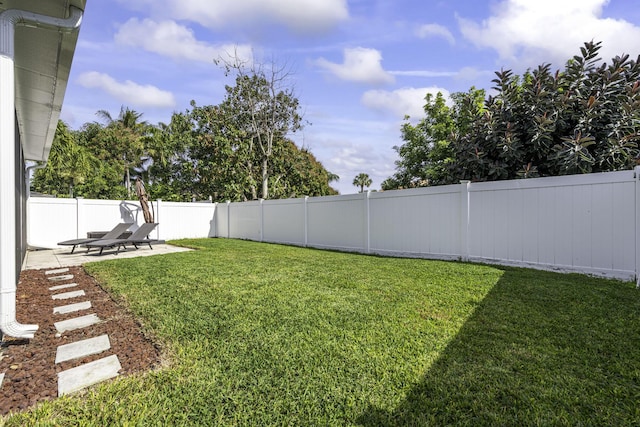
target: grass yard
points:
(261, 334)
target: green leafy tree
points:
(265, 110)
(296, 172)
(583, 119)
(69, 166)
(126, 136)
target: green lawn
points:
(262, 334)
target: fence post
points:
(157, 217)
(464, 219)
(367, 246)
(215, 219)
(80, 216)
(262, 220)
(228, 219)
(636, 176)
(306, 221)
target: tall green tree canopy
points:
(207, 152)
(583, 119)
(70, 165)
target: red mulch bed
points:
(29, 365)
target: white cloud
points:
(302, 16)
(175, 41)
(435, 30)
(529, 33)
(360, 65)
(128, 92)
(424, 73)
(400, 102)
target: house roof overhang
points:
(42, 64)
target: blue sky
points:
(357, 66)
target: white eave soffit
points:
(43, 60)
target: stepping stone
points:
(67, 286)
(56, 271)
(61, 278)
(64, 309)
(76, 323)
(75, 379)
(82, 348)
(68, 295)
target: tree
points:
(126, 135)
(206, 156)
(362, 180)
(69, 165)
(265, 110)
(583, 119)
(296, 172)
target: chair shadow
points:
(568, 368)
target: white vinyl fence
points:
(51, 220)
(582, 223)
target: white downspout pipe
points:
(27, 175)
(8, 21)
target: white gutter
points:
(9, 19)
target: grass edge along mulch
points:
(267, 334)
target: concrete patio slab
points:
(57, 271)
(82, 348)
(59, 287)
(65, 309)
(68, 295)
(57, 258)
(83, 376)
(76, 323)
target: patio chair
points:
(114, 233)
(138, 237)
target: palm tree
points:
(362, 180)
(129, 133)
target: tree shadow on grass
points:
(541, 348)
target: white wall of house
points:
(582, 223)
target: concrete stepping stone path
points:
(76, 323)
(60, 287)
(61, 278)
(87, 374)
(83, 348)
(83, 376)
(56, 271)
(69, 295)
(70, 308)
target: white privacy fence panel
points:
(51, 220)
(417, 222)
(222, 220)
(245, 221)
(338, 222)
(283, 221)
(185, 220)
(583, 223)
